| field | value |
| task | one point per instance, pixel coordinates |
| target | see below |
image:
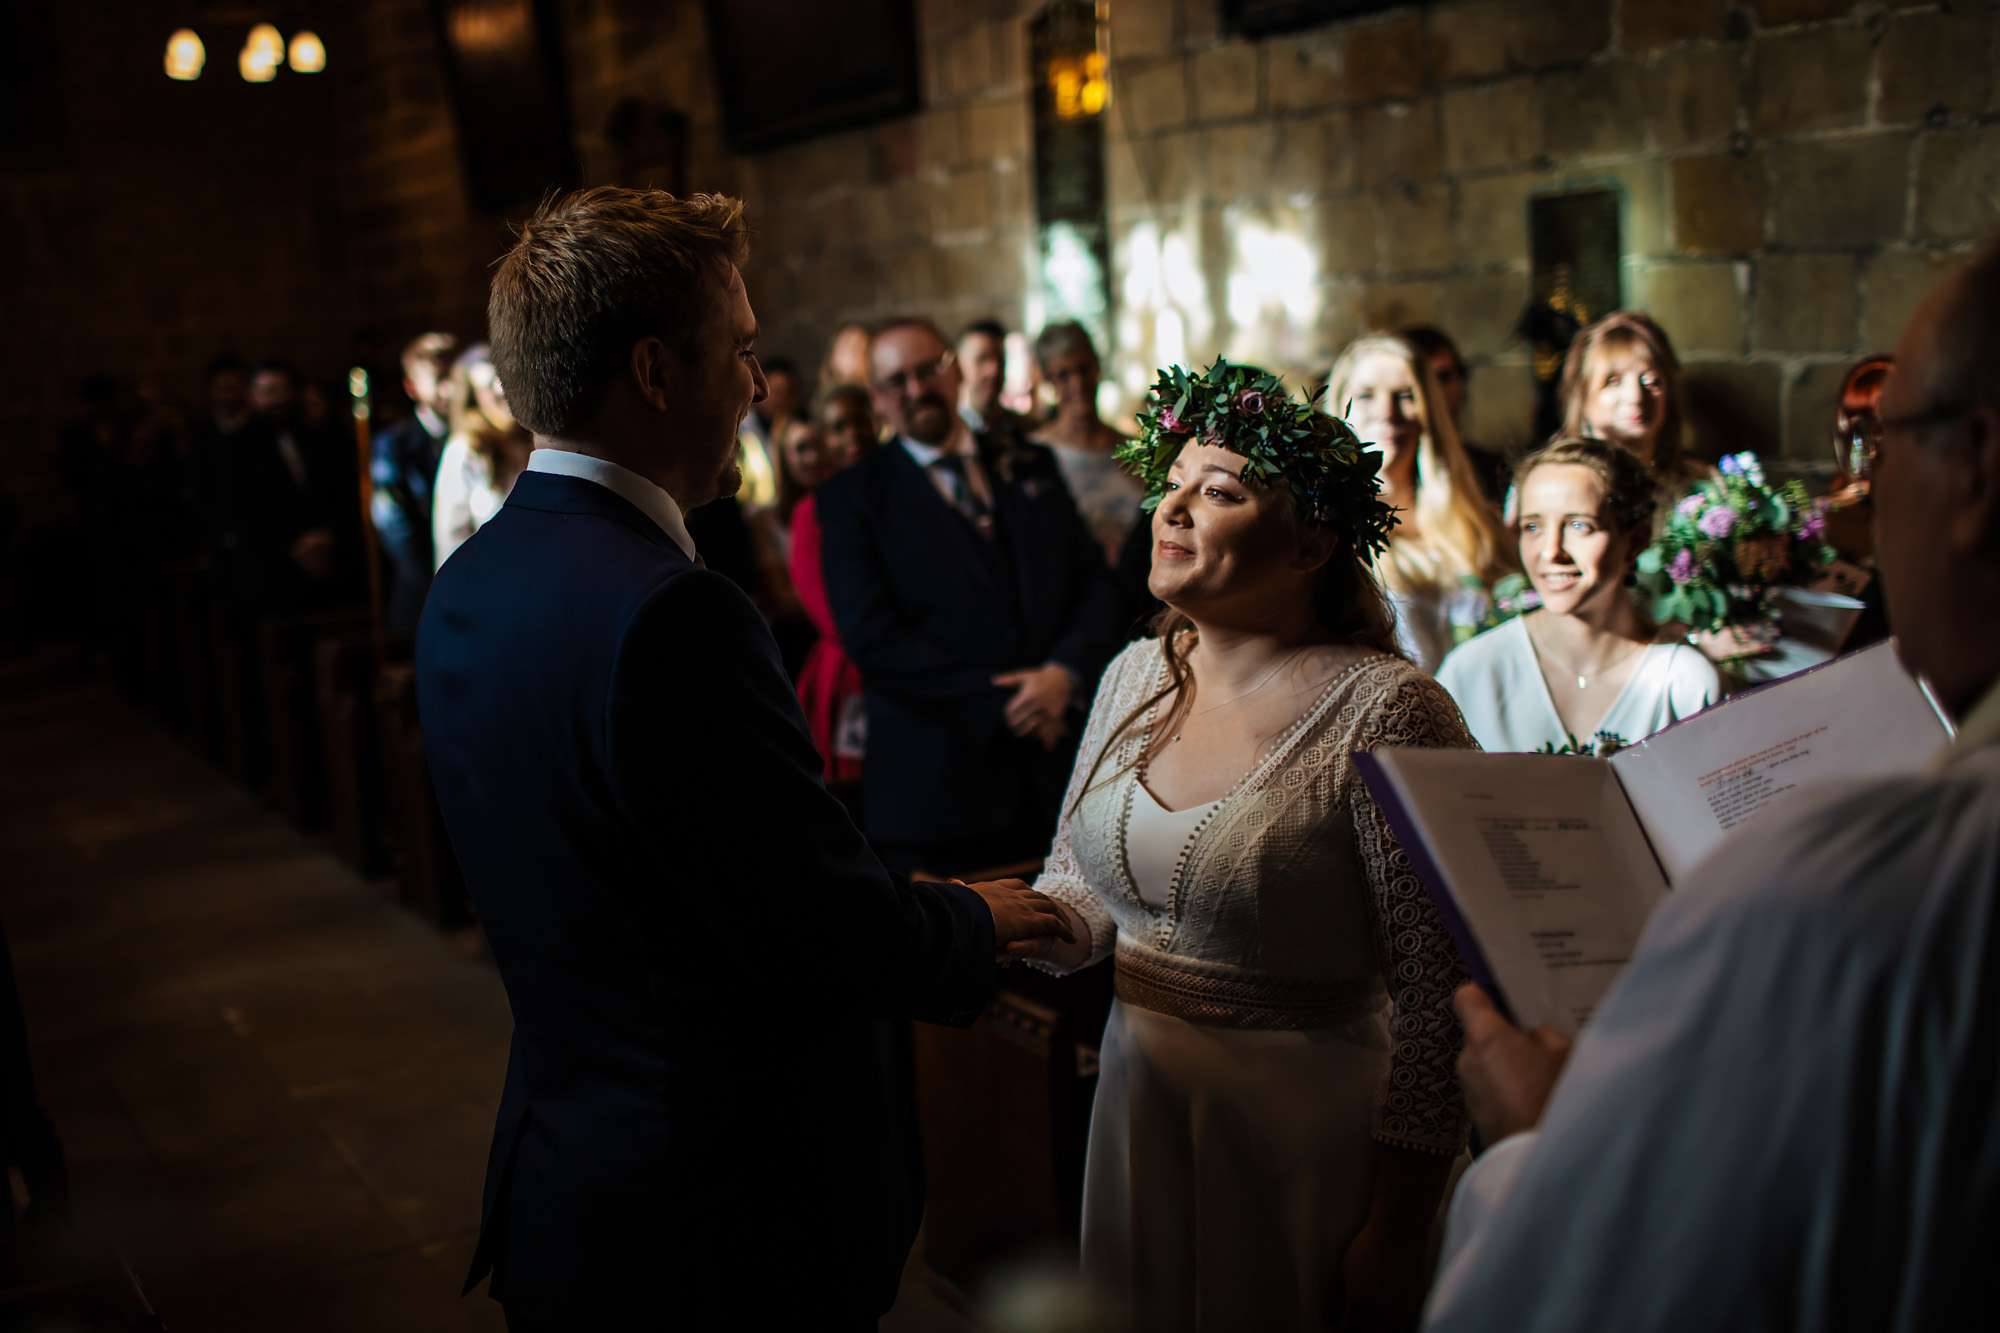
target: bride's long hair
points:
(1348, 603)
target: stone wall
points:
(1793, 173)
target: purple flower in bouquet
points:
(1718, 522)
(1814, 527)
(1730, 465)
(1690, 506)
(1681, 568)
(1250, 402)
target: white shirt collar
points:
(958, 442)
(649, 499)
(433, 424)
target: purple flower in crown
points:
(1250, 402)
(1690, 506)
(1170, 423)
(1718, 522)
(1681, 569)
(1215, 435)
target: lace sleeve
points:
(1062, 878)
(1422, 1108)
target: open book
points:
(1546, 867)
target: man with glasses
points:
(977, 606)
(1782, 1116)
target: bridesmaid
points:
(1588, 664)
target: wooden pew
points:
(351, 741)
(427, 874)
(285, 648)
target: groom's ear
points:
(655, 372)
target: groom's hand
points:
(1026, 924)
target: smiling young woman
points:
(1588, 662)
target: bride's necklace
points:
(1542, 653)
(1268, 677)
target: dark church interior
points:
(964, 868)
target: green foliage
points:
(1332, 475)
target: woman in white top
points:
(1448, 546)
(484, 454)
(1278, 1109)
(1082, 442)
(1587, 667)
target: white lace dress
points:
(1284, 1003)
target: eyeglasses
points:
(1859, 449)
(924, 372)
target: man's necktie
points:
(964, 498)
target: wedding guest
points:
(1587, 668)
(1082, 440)
(403, 469)
(1447, 547)
(624, 772)
(971, 595)
(484, 454)
(1276, 1113)
(846, 357)
(288, 495)
(1781, 1115)
(226, 396)
(1849, 516)
(1448, 371)
(830, 687)
(1621, 381)
(982, 359)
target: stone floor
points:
(275, 1087)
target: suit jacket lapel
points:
(1017, 516)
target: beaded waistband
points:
(1150, 981)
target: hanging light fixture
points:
(185, 55)
(307, 54)
(255, 66)
(267, 42)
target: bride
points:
(1277, 1111)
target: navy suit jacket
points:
(930, 611)
(403, 464)
(697, 945)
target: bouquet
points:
(1511, 595)
(1601, 746)
(1728, 547)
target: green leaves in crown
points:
(1332, 474)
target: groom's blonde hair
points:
(591, 273)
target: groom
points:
(699, 1125)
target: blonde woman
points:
(486, 450)
(1448, 546)
(1621, 383)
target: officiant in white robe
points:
(1783, 1115)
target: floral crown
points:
(1331, 472)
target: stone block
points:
(1493, 217)
(1778, 13)
(1013, 195)
(1958, 183)
(969, 56)
(1593, 111)
(1815, 79)
(1491, 125)
(1718, 203)
(1647, 24)
(1556, 32)
(1314, 155)
(1806, 303)
(1932, 63)
(1227, 82)
(1141, 29)
(1306, 72)
(1385, 58)
(1393, 305)
(941, 140)
(1350, 230)
(1691, 96)
(997, 131)
(1416, 227)
(1236, 162)
(1201, 21)
(1397, 141)
(1840, 192)
(1010, 57)
(1700, 305)
(1892, 283)
(1642, 189)
(1732, 406)
(1155, 96)
(962, 203)
(1482, 309)
(1811, 394)
(1469, 41)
